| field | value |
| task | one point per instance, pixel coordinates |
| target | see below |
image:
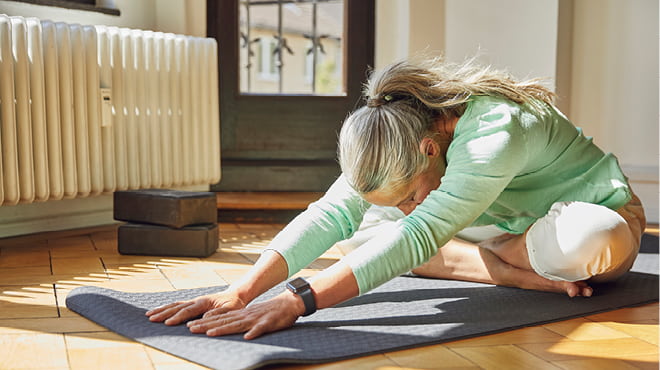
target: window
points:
(295, 38)
(267, 61)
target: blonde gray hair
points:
(379, 142)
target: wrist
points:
(240, 294)
(295, 302)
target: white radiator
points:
(86, 110)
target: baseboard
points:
(56, 215)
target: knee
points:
(578, 241)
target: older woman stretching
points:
(496, 185)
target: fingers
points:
(216, 312)
(233, 327)
(186, 312)
(160, 309)
(257, 330)
(229, 323)
(161, 313)
(176, 313)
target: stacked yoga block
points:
(166, 222)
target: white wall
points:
(516, 35)
(408, 28)
(134, 14)
(610, 86)
(614, 91)
(177, 16)
(496, 31)
(186, 17)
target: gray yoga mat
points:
(404, 313)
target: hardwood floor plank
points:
(105, 350)
(629, 314)
(536, 334)
(644, 330)
(194, 276)
(32, 351)
(595, 364)
(17, 258)
(583, 329)
(266, 200)
(62, 325)
(34, 301)
(427, 358)
(109, 358)
(645, 362)
(621, 349)
(165, 361)
(380, 362)
(503, 357)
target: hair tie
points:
(378, 101)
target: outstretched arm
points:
(334, 217)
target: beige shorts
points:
(579, 241)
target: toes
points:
(584, 289)
(572, 290)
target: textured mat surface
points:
(404, 313)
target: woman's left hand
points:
(277, 313)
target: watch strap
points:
(309, 301)
(301, 287)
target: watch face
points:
(298, 284)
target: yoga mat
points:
(403, 313)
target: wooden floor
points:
(38, 332)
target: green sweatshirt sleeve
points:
(334, 217)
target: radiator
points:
(87, 110)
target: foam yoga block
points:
(192, 241)
(171, 208)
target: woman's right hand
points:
(207, 305)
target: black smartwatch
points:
(301, 287)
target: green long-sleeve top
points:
(506, 165)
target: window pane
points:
(291, 47)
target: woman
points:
(496, 184)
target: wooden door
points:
(285, 142)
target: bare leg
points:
(461, 260)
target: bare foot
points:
(461, 260)
(506, 274)
(577, 289)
